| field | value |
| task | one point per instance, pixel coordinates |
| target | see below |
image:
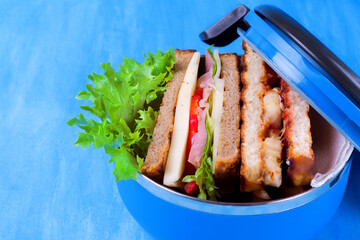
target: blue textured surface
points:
(52, 190)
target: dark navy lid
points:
(307, 65)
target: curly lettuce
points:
(125, 104)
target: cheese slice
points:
(218, 100)
(176, 158)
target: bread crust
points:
(155, 161)
(297, 141)
(252, 128)
(227, 165)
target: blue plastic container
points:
(303, 74)
(166, 214)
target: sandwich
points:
(272, 113)
(154, 165)
(297, 136)
(200, 125)
(197, 134)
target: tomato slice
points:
(199, 92)
(191, 188)
(193, 128)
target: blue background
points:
(52, 190)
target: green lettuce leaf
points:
(214, 69)
(125, 104)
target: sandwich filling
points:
(205, 89)
(200, 145)
(272, 145)
(205, 86)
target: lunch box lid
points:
(306, 64)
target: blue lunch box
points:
(327, 84)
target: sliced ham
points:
(198, 140)
(206, 82)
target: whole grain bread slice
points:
(157, 153)
(227, 165)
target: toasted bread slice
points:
(227, 165)
(157, 153)
(252, 128)
(297, 136)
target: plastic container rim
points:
(248, 208)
